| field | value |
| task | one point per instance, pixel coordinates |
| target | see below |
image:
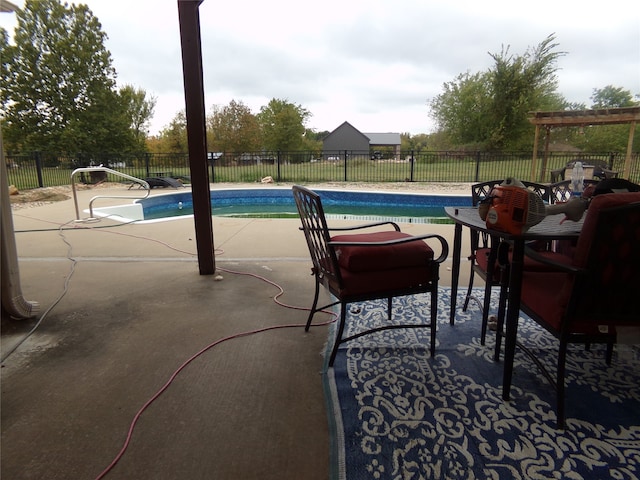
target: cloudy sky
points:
(373, 63)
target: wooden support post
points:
(196, 132)
(627, 160)
(534, 160)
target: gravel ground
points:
(46, 195)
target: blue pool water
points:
(279, 203)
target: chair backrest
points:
(480, 191)
(539, 188)
(316, 232)
(601, 168)
(589, 161)
(609, 250)
(561, 191)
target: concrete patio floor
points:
(126, 308)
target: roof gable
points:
(346, 126)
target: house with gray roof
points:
(348, 138)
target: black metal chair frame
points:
(561, 191)
(327, 271)
(586, 284)
(602, 170)
(479, 192)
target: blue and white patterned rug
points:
(397, 413)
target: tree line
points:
(490, 110)
(58, 93)
(58, 85)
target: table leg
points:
(488, 285)
(513, 313)
(503, 264)
(455, 271)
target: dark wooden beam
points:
(577, 118)
(189, 19)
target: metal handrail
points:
(107, 170)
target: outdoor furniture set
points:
(580, 297)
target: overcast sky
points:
(373, 63)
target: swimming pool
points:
(279, 203)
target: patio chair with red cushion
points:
(584, 302)
(484, 259)
(355, 266)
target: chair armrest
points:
(359, 227)
(365, 225)
(444, 246)
(561, 267)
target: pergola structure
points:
(582, 118)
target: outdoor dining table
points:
(551, 228)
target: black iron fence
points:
(43, 170)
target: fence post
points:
(146, 163)
(39, 169)
(278, 166)
(477, 175)
(412, 163)
(345, 165)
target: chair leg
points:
(486, 304)
(468, 297)
(389, 303)
(562, 357)
(503, 263)
(314, 305)
(502, 310)
(434, 317)
(343, 316)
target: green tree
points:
(612, 97)
(415, 143)
(461, 111)
(5, 55)
(489, 110)
(519, 85)
(316, 136)
(100, 127)
(173, 138)
(312, 142)
(282, 125)
(60, 90)
(607, 138)
(139, 109)
(233, 128)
